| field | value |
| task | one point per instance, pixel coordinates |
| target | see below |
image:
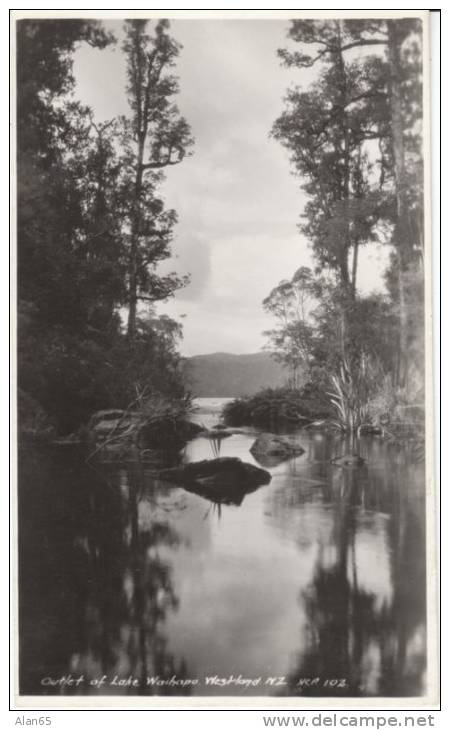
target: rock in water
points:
(225, 468)
(226, 479)
(270, 449)
(352, 460)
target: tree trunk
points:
(346, 160)
(402, 238)
(135, 230)
(354, 268)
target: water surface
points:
(314, 585)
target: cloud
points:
(193, 257)
(237, 202)
(228, 314)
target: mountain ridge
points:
(227, 374)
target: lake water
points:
(314, 585)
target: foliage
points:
(277, 407)
(328, 131)
(290, 303)
(156, 136)
(150, 421)
(76, 211)
(354, 139)
(72, 376)
(351, 329)
(360, 395)
(35, 423)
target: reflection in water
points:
(131, 589)
(121, 587)
(269, 461)
(320, 574)
(351, 633)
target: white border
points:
(430, 701)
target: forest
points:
(92, 226)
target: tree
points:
(155, 137)
(310, 341)
(354, 141)
(48, 127)
(409, 209)
(290, 303)
(44, 75)
(76, 212)
(328, 131)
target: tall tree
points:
(327, 130)
(155, 137)
(45, 74)
(48, 128)
(76, 211)
(350, 137)
(408, 238)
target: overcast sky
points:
(237, 201)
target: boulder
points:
(226, 479)
(270, 461)
(351, 460)
(282, 447)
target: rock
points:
(232, 495)
(270, 445)
(269, 461)
(352, 460)
(226, 479)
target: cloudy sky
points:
(237, 201)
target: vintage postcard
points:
(225, 489)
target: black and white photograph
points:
(225, 479)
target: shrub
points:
(274, 407)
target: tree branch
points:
(157, 164)
(355, 44)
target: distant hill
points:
(222, 375)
